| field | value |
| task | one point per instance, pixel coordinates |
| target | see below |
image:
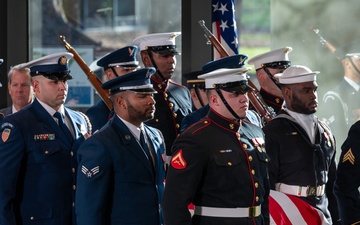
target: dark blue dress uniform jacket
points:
(173, 103)
(117, 184)
(339, 109)
(348, 178)
(98, 115)
(296, 161)
(220, 169)
(38, 167)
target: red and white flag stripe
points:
(286, 210)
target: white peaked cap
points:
(296, 74)
(276, 55)
(157, 39)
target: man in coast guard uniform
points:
(173, 100)
(38, 150)
(267, 65)
(301, 147)
(122, 168)
(115, 64)
(219, 164)
(348, 180)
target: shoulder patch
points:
(178, 161)
(349, 156)
(5, 134)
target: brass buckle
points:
(254, 211)
(311, 191)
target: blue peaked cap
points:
(230, 62)
(125, 57)
(137, 81)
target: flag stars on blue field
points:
(224, 24)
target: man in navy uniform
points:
(115, 64)
(122, 168)
(267, 65)
(38, 145)
(219, 164)
(301, 147)
(173, 100)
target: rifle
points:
(254, 96)
(326, 43)
(94, 80)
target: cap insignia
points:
(131, 51)
(148, 73)
(173, 35)
(241, 60)
(62, 60)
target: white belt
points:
(301, 191)
(253, 211)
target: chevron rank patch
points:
(90, 172)
(178, 161)
(349, 156)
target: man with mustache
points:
(173, 101)
(122, 168)
(300, 146)
(38, 150)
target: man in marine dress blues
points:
(173, 101)
(38, 149)
(114, 64)
(219, 164)
(267, 65)
(122, 168)
(230, 62)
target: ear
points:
(193, 94)
(35, 84)
(109, 74)
(146, 59)
(287, 93)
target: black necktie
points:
(63, 126)
(145, 146)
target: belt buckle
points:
(254, 211)
(311, 191)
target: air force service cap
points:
(161, 43)
(277, 59)
(53, 66)
(296, 74)
(124, 57)
(137, 81)
(229, 62)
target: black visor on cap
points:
(62, 75)
(277, 65)
(237, 87)
(164, 49)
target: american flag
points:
(224, 26)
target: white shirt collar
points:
(352, 83)
(307, 121)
